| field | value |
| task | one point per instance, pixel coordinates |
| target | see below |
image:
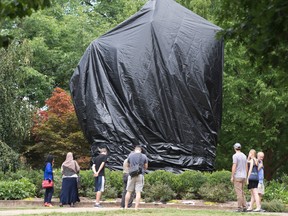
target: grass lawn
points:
(157, 212)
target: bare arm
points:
(250, 169)
(146, 166)
(96, 173)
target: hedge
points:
(159, 186)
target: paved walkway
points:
(34, 207)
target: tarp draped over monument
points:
(155, 80)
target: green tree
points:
(259, 25)
(14, 9)
(255, 111)
(15, 109)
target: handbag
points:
(47, 183)
(136, 169)
(254, 174)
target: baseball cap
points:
(237, 146)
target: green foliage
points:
(17, 8)
(251, 23)
(275, 205)
(189, 184)
(87, 184)
(276, 190)
(158, 192)
(15, 111)
(162, 177)
(9, 159)
(16, 189)
(218, 187)
(254, 111)
(115, 179)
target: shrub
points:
(158, 192)
(162, 177)
(110, 192)
(87, 184)
(190, 183)
(115, 180)
(274, 206)
(18, 189)
(276, 191)
(218, 187)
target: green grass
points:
(154, 212)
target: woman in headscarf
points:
(69, 191)
(48, 175)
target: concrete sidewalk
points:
(34, 207)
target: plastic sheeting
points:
(155, 80)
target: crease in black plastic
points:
(155, 80)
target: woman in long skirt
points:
(69, 191)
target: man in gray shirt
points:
(239, 175)
(136, 182)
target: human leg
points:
(238, 187)
(124, 178)
(256, 197)
(98, 197)
(138, 189)
(99, 188)
(137, 200)
(243, 198)
(127, 198)
(251, 203)
(48, 196)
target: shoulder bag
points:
(136, 169)
(254, 173)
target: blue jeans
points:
(48, 195)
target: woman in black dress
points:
(252, 180)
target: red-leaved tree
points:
(56, 131)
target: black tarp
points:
(155, 80)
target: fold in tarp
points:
(155, 80)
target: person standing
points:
(238, 176)
(125, 179)
(137, 182)
(253, 180)
(48, 175)
(99, 173)
(261, 187)
(69, 190)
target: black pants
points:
(125, 180)
(48, 195)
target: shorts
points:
(136, 183)
(99, 184)
(252, 184)
(261, 188)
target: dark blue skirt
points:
(69, 191)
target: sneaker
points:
(45, 204)
(249, 210)
(98, 206)
(257, 210)
(238, 210)
(49, 205)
